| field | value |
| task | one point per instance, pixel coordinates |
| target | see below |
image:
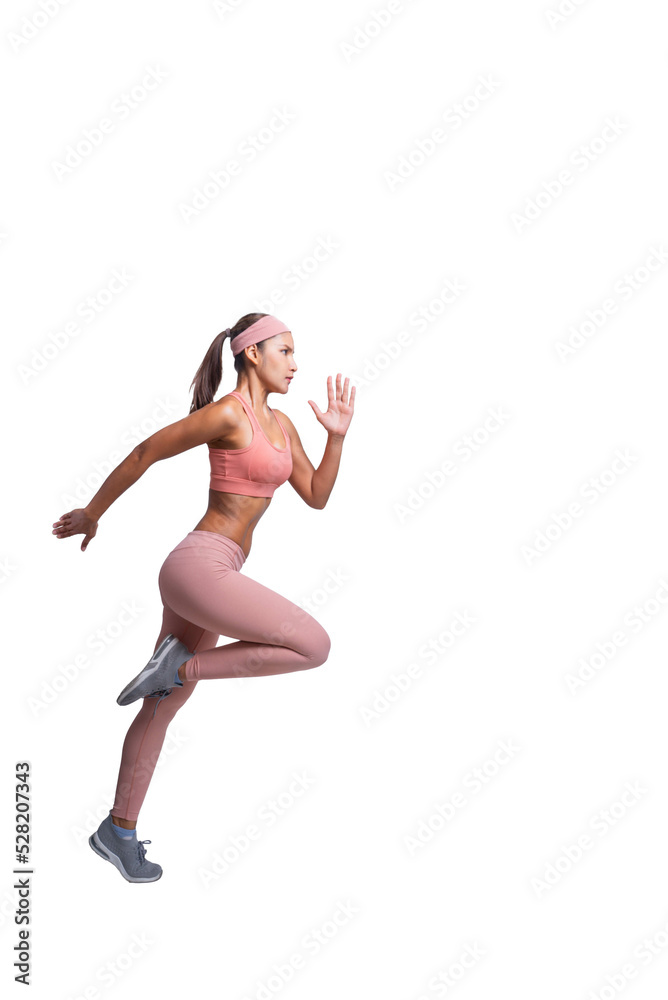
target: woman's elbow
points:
(142, 454)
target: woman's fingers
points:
(339, 393)
(65, 526)
(334, 391)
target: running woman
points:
(253, 450)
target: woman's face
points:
(277, 362)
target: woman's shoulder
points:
(229, 415)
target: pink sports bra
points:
(256, 470)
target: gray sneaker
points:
(157, 677)
(129, 856)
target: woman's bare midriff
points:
(234, 516)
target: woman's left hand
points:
(339, 413)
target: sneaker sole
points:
(105, 853)
(156, 659)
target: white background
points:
(384, 734)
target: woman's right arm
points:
(211, 421)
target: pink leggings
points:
(204, 596)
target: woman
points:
(253, 449)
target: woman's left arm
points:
(315, 485)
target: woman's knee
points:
(320, 646)
(300, 631)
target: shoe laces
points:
(142, 850)
(163, 694)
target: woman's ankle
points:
(127, 824)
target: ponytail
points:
(209, 374)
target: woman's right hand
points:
(76, 522)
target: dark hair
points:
(210, 372)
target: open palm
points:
(336, 419)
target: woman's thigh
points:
(206, 593)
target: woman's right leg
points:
(201, 581)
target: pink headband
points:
(263, 328)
